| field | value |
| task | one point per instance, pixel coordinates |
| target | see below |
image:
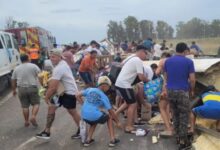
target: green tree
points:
(180, 30)
(146, 29)
(132, 28)
(22, 24)
(194, 28)
(10, 23)
(215, 28)
(116, 32)
(164, 30)
(121, 33)
(170, 32)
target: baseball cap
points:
(93, 42)
(141, 47)
(104, 80)
(56, 51)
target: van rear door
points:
(11, 50)
(5, 66)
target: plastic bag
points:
(153, 89)
(83, 131)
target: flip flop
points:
(34, 122)
(166, 134)
(130, 131)
(26, 124)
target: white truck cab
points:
(9, 56)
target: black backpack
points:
(116, 69)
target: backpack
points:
(116, 69)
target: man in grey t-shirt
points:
(25, 77)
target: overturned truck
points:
(207, 73)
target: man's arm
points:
(192, 80)
(142, 77)
(40, 78)
(14, 84)
(164, 88)
(160, 67)
(79, 97)
(53, 86)
(114, 118)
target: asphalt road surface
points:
(14, 136)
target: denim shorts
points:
(103, 119)
(86, 77)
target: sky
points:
(86, 20)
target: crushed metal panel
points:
(211, 76)
(207, 142)
(201, 65)
(207, 71)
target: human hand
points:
(47, 101)
(164, 94)
(119, 125)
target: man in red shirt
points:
(87, 68)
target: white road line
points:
(20, 147)
(6, 98)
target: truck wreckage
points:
(207, 73)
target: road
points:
(14, 136)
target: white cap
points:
(56, 51)
(104, 80)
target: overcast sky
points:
(85, 20)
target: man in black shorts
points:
(132, 68)
(61, 91)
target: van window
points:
(8, 41)
(3, 39)
(15, 42)
(23, 38)
(1, 45)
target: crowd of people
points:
(168, 85)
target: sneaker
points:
(139, 124)
(88, 143)
(43, 135)
(34, 122)
(76, 135)
(113, 143)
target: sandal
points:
(26, 124)
(133, 131)
(166, 134)
(34, 122)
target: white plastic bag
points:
(83, 130)
(140, 132)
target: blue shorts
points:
(86, 77)
(210, 110)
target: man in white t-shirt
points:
(132, 68)
(61, 91)
(157, 51)
(148, 72)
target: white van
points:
(9, 57)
